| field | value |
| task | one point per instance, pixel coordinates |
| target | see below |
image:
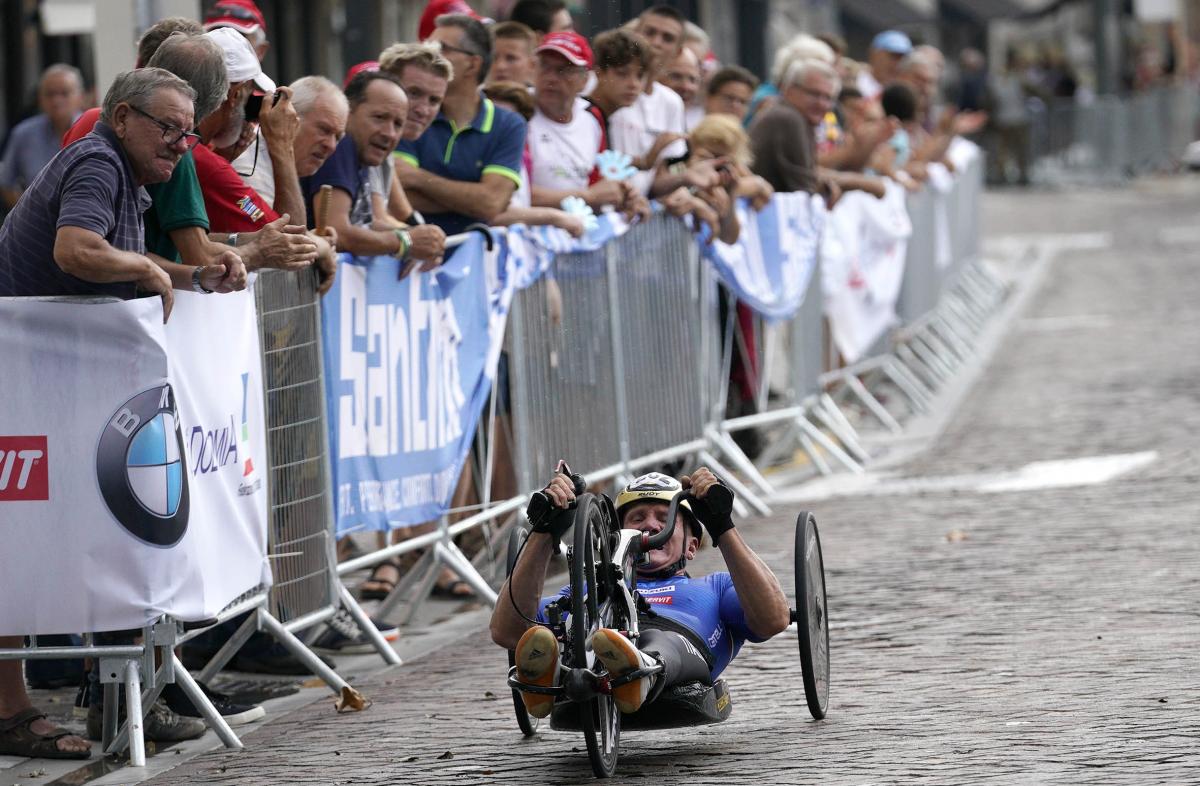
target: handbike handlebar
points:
(650, 542)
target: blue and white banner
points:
(770, 266)
(409, 364)
(132, 458)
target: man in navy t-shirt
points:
(696, 625)
(378, 111)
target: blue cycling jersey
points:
(708, 606)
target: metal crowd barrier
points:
(624, 382)
(1112, 138)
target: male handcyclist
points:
(693, 626)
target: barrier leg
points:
(454, 559)
(367, 627)
(213, 718)
(956, 304)
(815, 455)
(928, 355)
(148, 698)
(302, 653)
(134, 715)
(111, 710)
(919, 396)
(428, 579)
(839, 425)
(832, 447)
(780, 447)
(229, 649)
(405, 585)
(956, 330)
(943, 326)
(941, 350)
(850, 446)
(727, 447)
(916, 366)
(743, 491)
(873, 405)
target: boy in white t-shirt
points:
(566, 132)
(652, 131)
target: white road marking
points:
(1086, 471)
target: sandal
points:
(377, 587)
(17, 738)
(455, 590)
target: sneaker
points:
(537, 664)
(342, 635)
(161, 724)
(235, 714)
(619, 656)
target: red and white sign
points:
(24, 469)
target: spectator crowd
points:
(198, 169)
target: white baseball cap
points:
(240, 61)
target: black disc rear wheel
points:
(591, 609)
(812, 621)
(527, 722)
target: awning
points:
(986, 10)
(886, 15)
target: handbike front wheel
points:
(591, 605)
(527, 722)
(812, 620)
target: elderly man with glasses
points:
(78, 229)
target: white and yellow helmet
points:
(656, 487)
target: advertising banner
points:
(131, 461)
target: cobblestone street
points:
(1044, 631)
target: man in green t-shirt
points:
(178, 205)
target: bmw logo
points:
(140, 468)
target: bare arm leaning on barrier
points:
(424, 243)
(86, 255)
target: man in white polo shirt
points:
(566, 132)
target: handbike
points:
(602, 562)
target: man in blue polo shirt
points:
(466, 166)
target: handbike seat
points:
(687, 704)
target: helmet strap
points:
(667, 571)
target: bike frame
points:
(620, 574)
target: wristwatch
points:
(196, 285)
(231, 239)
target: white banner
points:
(132, 462)
(862, 267)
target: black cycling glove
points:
(715, 511)
(545, 517)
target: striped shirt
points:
(88, 185)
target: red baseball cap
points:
(242, 15)
(438, 7)
(358, 68)
(570, 45)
